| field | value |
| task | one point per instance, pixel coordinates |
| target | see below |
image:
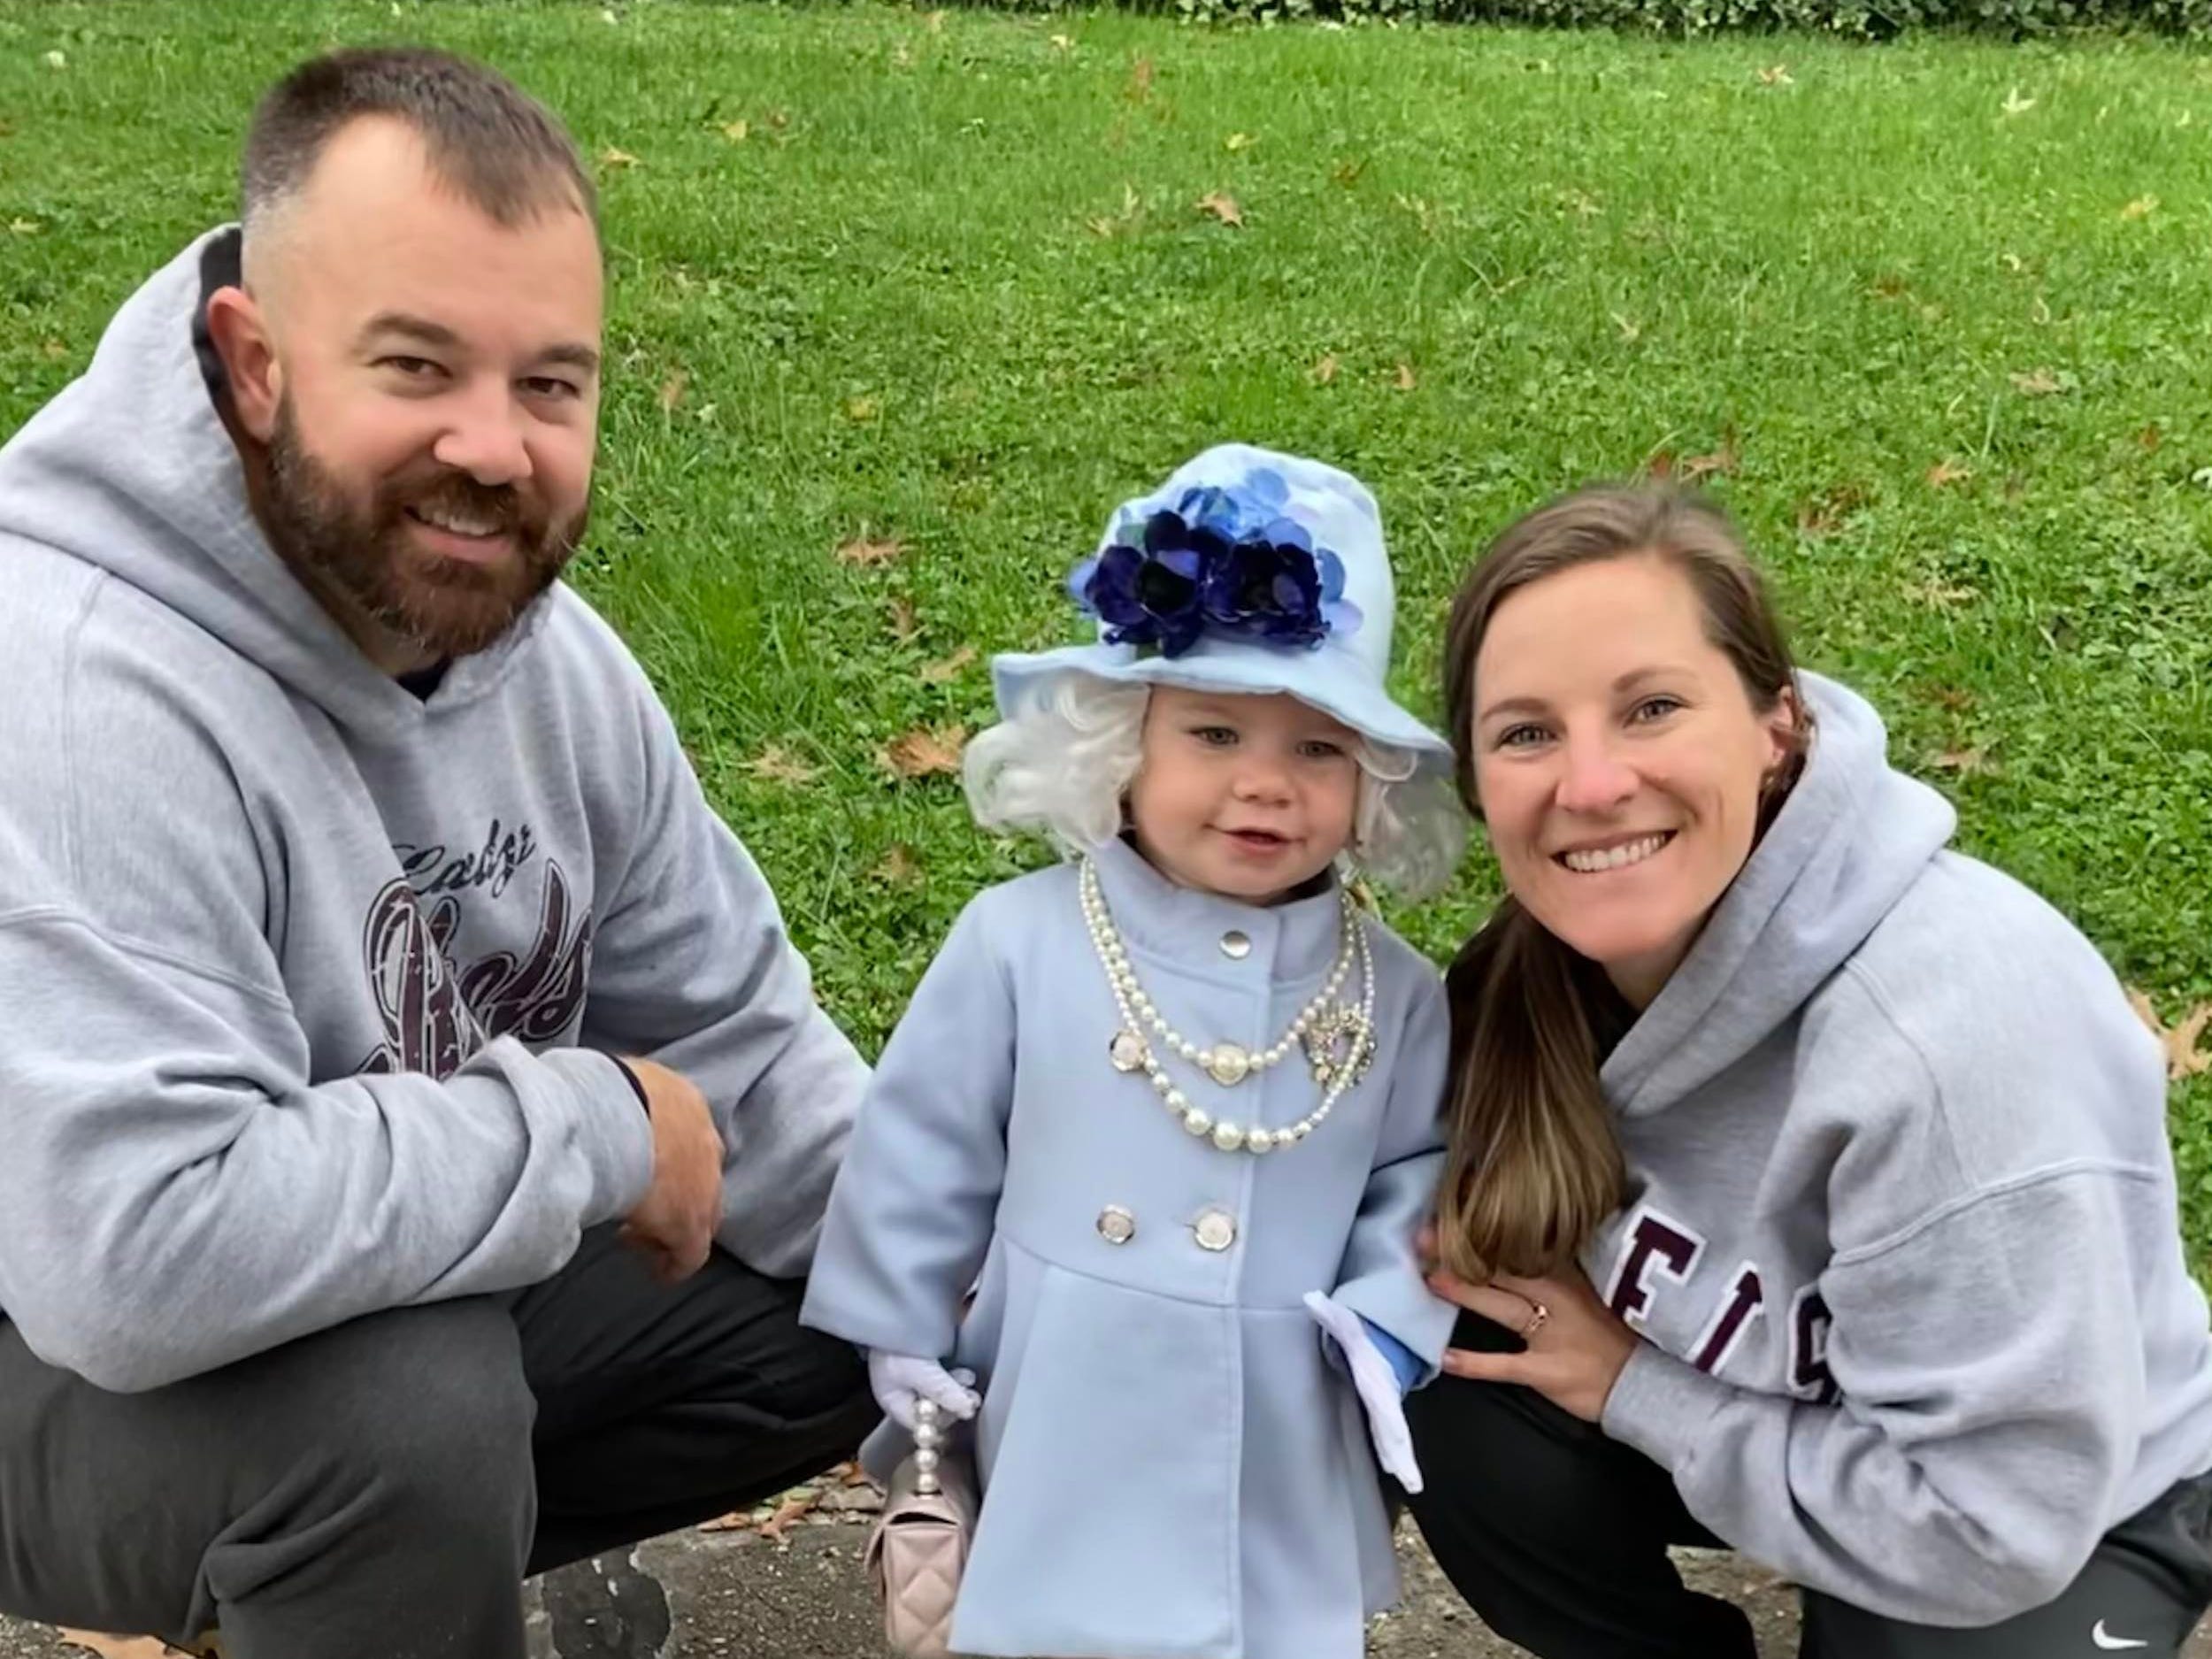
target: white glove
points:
(898, 1379)
(1378, 1387)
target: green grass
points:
(952, 286)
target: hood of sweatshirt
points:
(131, 470)
(1853, 837)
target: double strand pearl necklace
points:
(1339, 1041)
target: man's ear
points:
(239, 330)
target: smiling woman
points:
(1809, 1189)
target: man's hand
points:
(674, 1223)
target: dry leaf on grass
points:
(1938, 595)
(1944, 473)
(1062, 43)
(1720, 461)
(54, 350)
(1223, 207)
(2038, 383)
(905, 625)
(1324, 371)
(672, 390)
(860, 409)
(737, 132)
(1965, 762)
(898, 870)
(2184, 1058)
(938, 673)
(1777, 76)
(1404, 380)
(2142, 207)
(613, 157)
(1140, 81)
(778, 764)
(1238, 140)
(864, 550)
(1825, 513)
(2014, 104)
(924, 752)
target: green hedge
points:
(1871, 19)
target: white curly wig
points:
(1061, 763)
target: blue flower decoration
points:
(1220, 561)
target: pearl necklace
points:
(1339, 1041)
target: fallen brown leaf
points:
(778, 764)
(737, 132)
(2150, 438)
(1238, 140)
(938, 673)
(1777, 76)
(54, 350)
(1945, 472)
(119, 1646)
(1938, 595)
(1404, 380)
(1720, 461)
(1223, 207)
(925, 753)
(858, 409)
(865, 549)
(898, 870)
(905, 625)
(736, 1521)
(2142, 207)
(1347, 173)
(1063, 42)
(1963, 761)
(2037, 383)
(1324, 371)
(1953, 699)
(672, 390)
(1825, 513)
(791, 1509)
(1139, 86)
(1661, 466)
(2184, 1058)
(613, 157)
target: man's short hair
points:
(505, 152)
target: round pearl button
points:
(1115, 1225)
(1236, 944)
(1215, 1230)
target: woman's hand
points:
(1577, 1347)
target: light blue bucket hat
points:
(1248, 572)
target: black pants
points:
(1558, 1537)
(378, 1491)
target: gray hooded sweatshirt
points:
(1902, 1230)
(307, 984)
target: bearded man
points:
(416, 1118)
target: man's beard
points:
(448, 607)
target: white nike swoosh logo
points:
(2113, 1644)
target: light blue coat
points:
(1173, 1468)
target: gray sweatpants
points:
(380, 1490)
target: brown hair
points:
(1534, 1166)
(500, 147)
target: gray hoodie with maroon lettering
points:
(1902, 1234)
(304, 980)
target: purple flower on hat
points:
(1225, 562)
(1145, 596)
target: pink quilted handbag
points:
(920, 1545)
